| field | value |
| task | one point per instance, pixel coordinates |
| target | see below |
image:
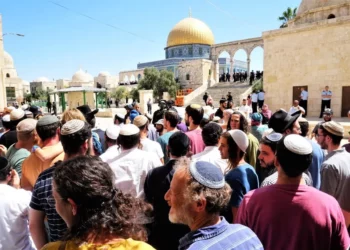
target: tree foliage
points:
(134, 94)
(159, 82)
(41, 95)
(120, 93)
(287, 15)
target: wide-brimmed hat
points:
(87, 112)
(281, 120)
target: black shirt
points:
(219, 113)
(8, 138)
(163, 234)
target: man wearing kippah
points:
(112, 148)
(197, 195)
(19, 151)
(146, 144)
(132, 164)
(335, 170)
(48, 130)
(75, 138)
(290, 215)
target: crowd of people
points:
(241, 76)
(231, 178)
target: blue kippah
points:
(274, 137)
(207, 174)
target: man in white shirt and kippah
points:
(326, 100)
(132, 164)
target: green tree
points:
(41, 95)
(159, 82)
(134, 94)
(120, 93)
(287, 15)
(28, 97)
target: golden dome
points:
(190, 31)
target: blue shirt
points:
(164, 141)
(242, 179)
(324, 92)
(315, 167)
(221, 236)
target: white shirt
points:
(304, 95)
(152, 146)
(110, 154)
(131, 167)
(14, 229)
(261, 96)
(245, 109)
(211, 154)
(293, 109)
(254, 97)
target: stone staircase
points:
(221, 89)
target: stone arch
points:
(8, 75)
(257, 61)
(126, 79)
(139, 76)
(132, 78)
(331, 16)
(224, 63)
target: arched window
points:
(8, 75)
(188, 77)
(331, 16)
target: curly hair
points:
(102, 210)
(243, 123)
(217, 199)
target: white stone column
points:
(248, 68)
(3, 100)
(231, 68)
(145, 95)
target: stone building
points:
(189, 40)
(42, 83)
(314, 51)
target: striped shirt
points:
(221, 236)
(42, 195)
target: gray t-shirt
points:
(335, 177)
(16, 157)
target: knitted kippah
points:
(207, 174)
(129, 129)
(297, 144)
(274, 137)
(47, 120)
(72, 126)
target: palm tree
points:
(287, 15)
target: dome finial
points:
(190, 12)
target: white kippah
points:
(240, 139)
(72, 126)
(297, 144)
(112, 132)
(129, 129)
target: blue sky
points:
(58, 42)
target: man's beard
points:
(187, 123)
(270, 165)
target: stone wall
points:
(194, 73)
(315, 55)
(127, 76)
